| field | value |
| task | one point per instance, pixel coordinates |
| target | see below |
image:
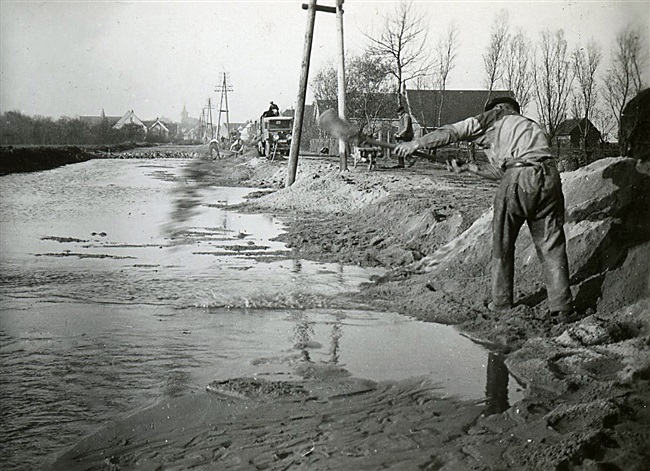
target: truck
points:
(275, 136)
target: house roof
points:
(224, 129)
(567, 126)
(129, 117)
(158, 123)
(380, 105)
(97, 120)
(456, 105)
(235, 126)
(290, 112)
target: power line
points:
(224, 87)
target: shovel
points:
(332, 123)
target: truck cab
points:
(275, 133)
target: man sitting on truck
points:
(272, 111)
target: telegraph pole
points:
(311, 8)
(208, 117)
(224, 87)
(202, 125)
(343, 147)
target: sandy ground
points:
(587, 378)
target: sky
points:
(75, 58)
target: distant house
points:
(158, 129)
(228, 129)
(433, 108)
(248, 131)
(130, 118)
(189, 128)
(569, 134)
(93, 121)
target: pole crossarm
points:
(320, 8)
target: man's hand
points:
(404, 149)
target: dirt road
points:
(588, 391)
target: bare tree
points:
(403, 43)
(445, 56)
(494, 56)
(367, 89)
(370, 89)
(553, 79)
(604, 122)
(518, 68)
(623, 80)
(585, 65)
(324, 85)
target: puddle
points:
(109, 305)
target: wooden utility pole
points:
(302, 94)
(208, 120)
(311, 8)
(202, 130)
(343, 147)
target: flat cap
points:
(502, 99)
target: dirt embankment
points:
(34, 158)
(19, 159)
(587, 378)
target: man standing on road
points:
(404, 132)
(530, 191)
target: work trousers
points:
(531, 194)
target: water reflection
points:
(304, 338)
(83, 339)
(496, 385)
(337, 333)
(303, 333)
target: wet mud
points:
(586, 378)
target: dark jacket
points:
(405, 130)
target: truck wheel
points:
(267, 149)
(260, 149)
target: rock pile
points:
(608, 239)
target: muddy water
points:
(124, 282)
